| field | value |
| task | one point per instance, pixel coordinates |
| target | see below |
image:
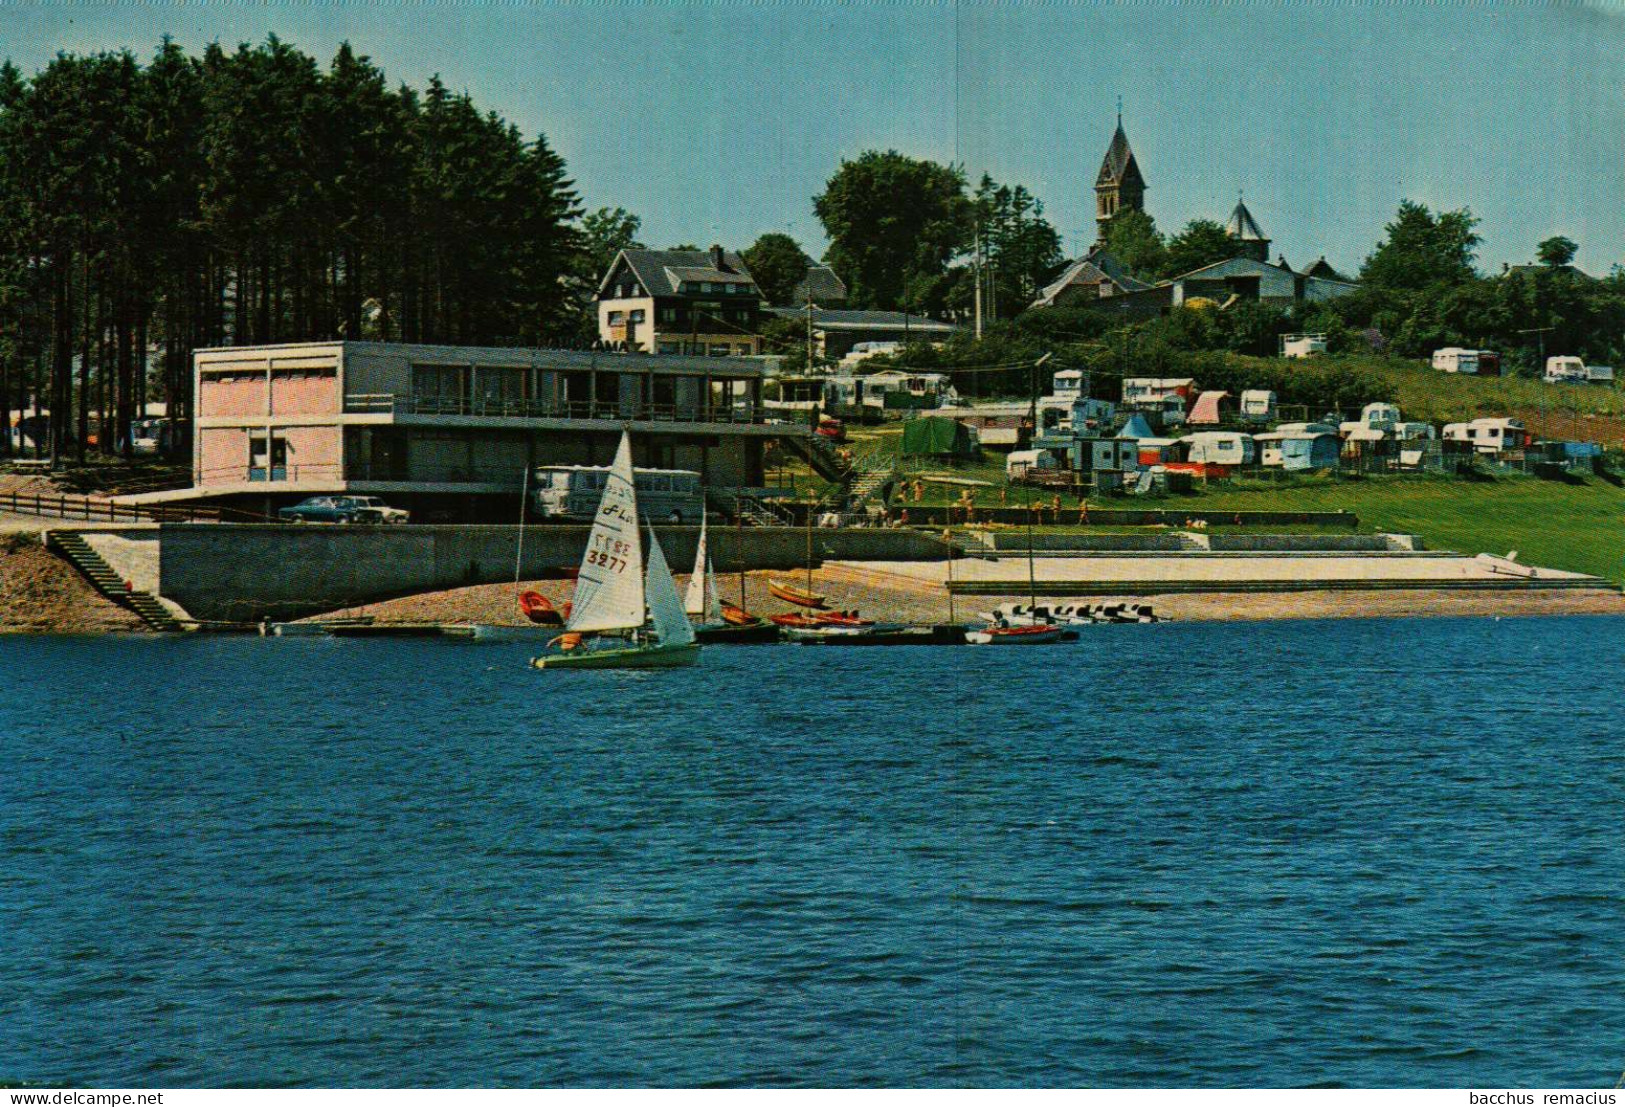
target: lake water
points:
(1361, 852)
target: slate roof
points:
(852, 319)
(1569, 269)
(1093, 268)
(660, 271)
(1119, 166)
(1323, 269)
(823, 285)
(1242, 225)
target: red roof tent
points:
(1206, 408)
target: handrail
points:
(393, 403)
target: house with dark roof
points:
(680, 302)
(837, 331)
(1095, 276)
(1530, 270)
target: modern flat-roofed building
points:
(450, 431)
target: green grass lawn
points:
(1576, 527)
(1430, 396)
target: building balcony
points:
(395, 403)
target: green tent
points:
(937, 436)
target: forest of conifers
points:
(253, 196)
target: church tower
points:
(1243, 230)
(1119, 187)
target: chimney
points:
(717, 262)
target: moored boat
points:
(720, 623)
(801, 597)
(1029, 635)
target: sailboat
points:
(614, 594)
(702, 602)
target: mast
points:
(524, 497)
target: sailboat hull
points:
(631, 657)
(758, 633)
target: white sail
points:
(609, 591)
(665, 606)
(713, 602)
(694, 598)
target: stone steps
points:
(78, 553)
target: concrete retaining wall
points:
(1303, 543)
(1123, 517)
(1132, 543)
(249, 572)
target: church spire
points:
(1119, 186)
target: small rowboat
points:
(538, 609)
(1027, 635)
(822, 619)
(798, 596)
(734, 615)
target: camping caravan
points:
(1572, 370)
(1455, 359)
(1381, 416)
(1149, 392)
(1021, 463)
(1415, 432)
(998, 426)
(1220, 448)
(899, 390)
(1298, 450)
(1257, 405)
(1489, 436)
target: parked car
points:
(343, 509)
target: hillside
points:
(1588, 412)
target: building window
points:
(267, 456)
(616, 318)
(668, 315)
(719, 349)
(439, 388)
(637, 315)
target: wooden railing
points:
(83, 507)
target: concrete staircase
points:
(759, 512)
(856, 481)
(72, 546)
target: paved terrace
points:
(1107, 575)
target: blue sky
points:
(719, 121)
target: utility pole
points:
(978, 267)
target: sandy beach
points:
(916, 602)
